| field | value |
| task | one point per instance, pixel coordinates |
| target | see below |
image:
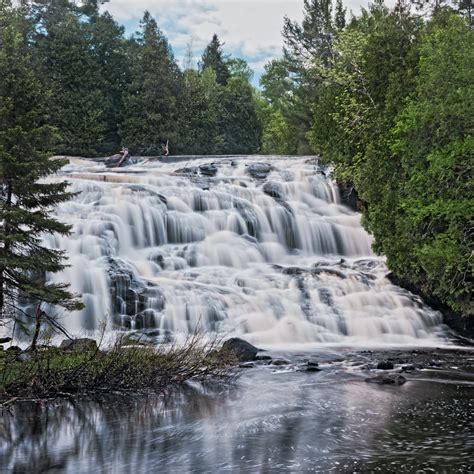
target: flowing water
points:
(255, 246)
(260, 247)
(271, 420)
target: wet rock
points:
(293, 271)
(82, 344)
(5, 340)
(208, 169)
(272, 189)
(349, 196)
(191, 170)
(312, 366)
(263, 358)
(247, 365)
(330, 271)
(436, 363)
(250, 239)
(385, 365)
(139, 188)
(279, 362)
(243, 350)
(259, 170)
(387, 379)
(145, 319)
(408, 368)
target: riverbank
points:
(80, 367)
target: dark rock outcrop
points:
(273, 189)
(312, 366)
(243, 350)
(349, 196)
(209, 169)
(385, 365)
(259, 170)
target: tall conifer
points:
(25, 198)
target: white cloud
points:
(249, 28)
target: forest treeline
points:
(103, 90)
(386, 97)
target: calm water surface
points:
(269, 420)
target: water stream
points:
(256, 246)
(263, 248)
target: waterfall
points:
(254, 246)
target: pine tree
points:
(213, 57)
(25, 199)
(340, 16)
(73, 76)
(151, 101)
(108, 48)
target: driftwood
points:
(124, 157)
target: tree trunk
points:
(38, 318)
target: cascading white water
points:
(259, 246)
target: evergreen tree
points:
(72, 75)
(150, 112)
(240, 125)
(213, 57)
(340, 16)
(433, 142)
(26, 200)
(108, 48)
(195, 130)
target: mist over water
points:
(254, 246)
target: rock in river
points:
(243, 350)
(387, 379)
(385, 365)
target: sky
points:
(250, 29)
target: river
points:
(264, 249)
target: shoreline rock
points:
(243, 350)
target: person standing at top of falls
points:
(165, 148)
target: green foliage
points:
(213, 57)
(72, 75)
(26, 199)
(393, 114)
(150, 110)
(433, 140)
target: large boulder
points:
(259, 170)
(208, 169)
(82, 344)
(243, 350)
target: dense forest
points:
(385, 97)
(388, 100)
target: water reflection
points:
(267, 422)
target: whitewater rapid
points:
(259, 247)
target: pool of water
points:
(269, 419)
